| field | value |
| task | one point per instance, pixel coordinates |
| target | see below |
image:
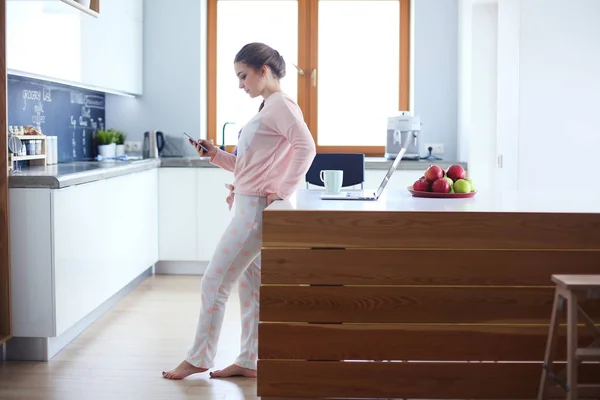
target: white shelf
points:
(32, 157)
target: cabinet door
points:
(112, 47)
(213, 212)
(44, 38)
(178, 208)
(104, 236)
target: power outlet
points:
(133, 146)
(436, 148)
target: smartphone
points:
(192, 139)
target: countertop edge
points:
(371, 163)
(32, 181)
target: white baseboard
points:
(44, 348)
(180, 267)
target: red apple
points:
(455, 172)
(433, 173)
(421, 185)
(440, 186)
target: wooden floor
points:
(122, 354)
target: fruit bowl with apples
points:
(437, 183)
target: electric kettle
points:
(154, 141)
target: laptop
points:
(367, 194)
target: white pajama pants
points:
(236, 259)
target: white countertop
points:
(395, 199)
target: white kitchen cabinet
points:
(44, 38)
(178, 208)
(213, 215)
(192, 212)
(112, 47)
(55, 41)
(119, 218)
(72, 249)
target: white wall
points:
(435, 72)
(463, 92)
(484, 51)
(478, 88)
(548, 92)
(508, 93)
(175, 65)
(559, 129)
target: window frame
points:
(308, 18)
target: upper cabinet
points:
(54, 40)
(112, 46)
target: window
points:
(347, 66)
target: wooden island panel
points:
(431, 230)
(415, 305)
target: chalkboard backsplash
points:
(72, 114)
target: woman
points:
(274, 152)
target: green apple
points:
(462, 186)
(472, 184)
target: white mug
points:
(332, 179)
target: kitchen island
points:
(82, 235)
(419, 298)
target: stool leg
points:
(572, 345)
(550, 346)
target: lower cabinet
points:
(193, 213)
(74, 248)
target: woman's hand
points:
(212, 150)
(230, 196)
(271, 198)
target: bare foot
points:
(184, 369)
(234, 370)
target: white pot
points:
(107, 150)
(120, 150)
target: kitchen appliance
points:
(174, 146)
(402, 128)
(154, 142)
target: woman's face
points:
(250, 79)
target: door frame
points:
(5, 306)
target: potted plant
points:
(106, 141)
(120, 141)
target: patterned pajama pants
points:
(236, 259)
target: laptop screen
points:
(391, 170)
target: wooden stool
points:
(569, 287)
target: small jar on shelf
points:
(30, 147)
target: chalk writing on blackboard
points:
(93, 101)
(73, 114)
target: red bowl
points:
(435, 195)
